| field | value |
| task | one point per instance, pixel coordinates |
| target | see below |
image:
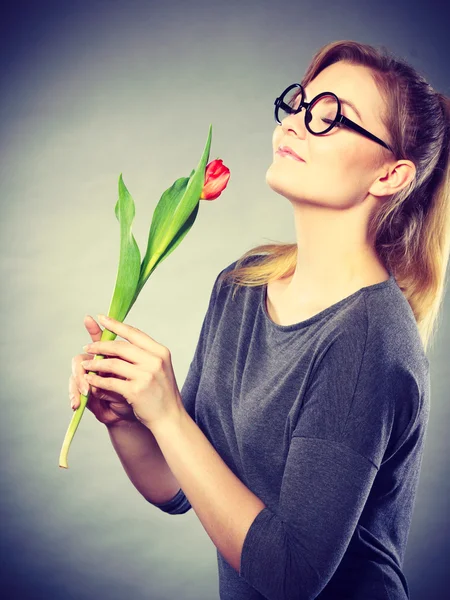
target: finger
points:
(114, 366)
(138, 358)
(74, 392)
(112, 384)
(78, 370)
(124, 350)
(134, 335)
(94, 329)
(109, 374)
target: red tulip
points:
(216, 179)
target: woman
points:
(299, 431)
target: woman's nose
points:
(296, 123)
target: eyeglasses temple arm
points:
(363, 131)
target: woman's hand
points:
(108, 407)
(149, 383)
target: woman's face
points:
(341, 165)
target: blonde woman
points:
(298, 435)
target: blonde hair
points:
(411, 230)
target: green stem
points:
(76, 417)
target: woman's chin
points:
(278, 180)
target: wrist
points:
(174, 418)
(124, 424)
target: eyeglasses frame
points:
(339, 117)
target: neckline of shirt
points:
(323, 313)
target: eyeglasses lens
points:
(321, 114)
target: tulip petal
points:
(216, 180)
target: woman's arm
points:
(143, 461)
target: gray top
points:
(325, 421)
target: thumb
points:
(94, 329)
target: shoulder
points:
(371, 373)
(392, 329)
(379, 326)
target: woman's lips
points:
(289, 155)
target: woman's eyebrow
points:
(344, 101)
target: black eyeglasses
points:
(321, 114)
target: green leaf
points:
(165, 206)
(180, 234)
(171, 247)
(171, 213)
(129, 259)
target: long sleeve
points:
(358, 409)
(179, 504)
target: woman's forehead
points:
(352, 84)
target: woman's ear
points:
(395, 177)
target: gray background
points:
(93, 89)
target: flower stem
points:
(76, 417)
